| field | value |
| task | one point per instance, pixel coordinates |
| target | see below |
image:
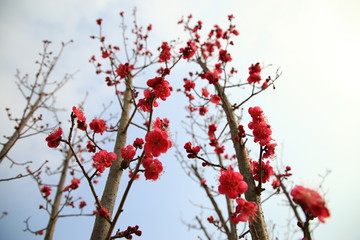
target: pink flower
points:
(124, 69)
(203, 110)
(160, 87)
(192, 151)
(104, 212)
(266, 171)
(205, 92)
(261, 130)
(79, 114)
(215, 99)
(156, 142)
(54, 139)
(82, 204)
(98, 126)
(103, 159)
(224, 56)
(128, 152)
(211, 130)
(138, 143)
(188, 85)
(254, 71)
(231, 183)
(189, 51)
(148, 101)
(74, 185)
(165, 54)
(245, 211)
(310, 201)
(153, 168)
(46, 190)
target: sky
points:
(313, 111)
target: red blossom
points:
(215, 99)
(261, 130)
(82, 204)
(231, 183)
(269, 150)
(211, 76)
(165, 54)
(54, 139)
(160, 87)
(311, 202)
(203, 110)
(153, 168)
(79, 114)
(98, 126)
(128, 152)
(205, 92)
(106, 54)
(148, 101)
(254, 71)
(103, 159)
(90, 147)
(74, 185)
(245, 211)
(188, 85)
(211, 130)
(124, 69)
(192, 151)
(156, 142)
(138, 143)
(46, 190)
(224, 56)
(99, 21)
(266, 171)
(104, 212)
(189, 51)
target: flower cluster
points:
(54, 139)
(81, 120)
(189, 51)
(165, 54)
(231, 183)
(157, 141)
(153, 168)
(104, 212)
(128, 152)
(212, 75)
(124, 69)
(127, 233)
(266, 171)
(46, 190)
(159, 89)
(98, 126)
(244, 212)
(224, 56)
(74, 185)
(311, 202)
(192, 151)
(103, 159)
(261, 131)
(254, 72)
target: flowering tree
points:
(219, 144)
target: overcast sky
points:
(313, 112)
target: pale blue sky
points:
(314, 110)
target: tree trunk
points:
(258, 228)
(101, 225)
(56, 205)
